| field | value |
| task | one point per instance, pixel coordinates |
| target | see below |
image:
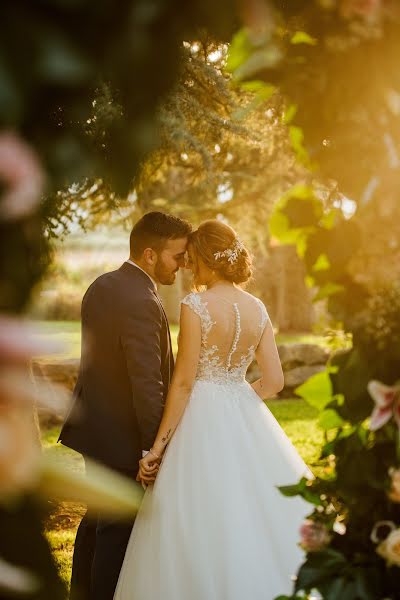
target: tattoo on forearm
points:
(166, 437)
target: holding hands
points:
(148, 468)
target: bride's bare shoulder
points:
(251, 297)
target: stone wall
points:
(54, 372)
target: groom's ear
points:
(150, 257)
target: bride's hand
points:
(150, 463)
(146, 479)
(148, 469)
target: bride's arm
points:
(182, 379)
(271, 381)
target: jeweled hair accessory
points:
(232, 253)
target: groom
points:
(125, 371)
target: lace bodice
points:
(230, 334)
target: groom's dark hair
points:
(154, 229)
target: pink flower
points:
(22, 176)
(19, 341)
(19, 448)
(314, 536)
(387, 404)
(20, 451)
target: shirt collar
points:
(137, 266)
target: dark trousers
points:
(99, 552)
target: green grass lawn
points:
(67, 334)
(298, 419)
(301, 338)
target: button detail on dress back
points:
(236, 338)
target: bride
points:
(214, 526)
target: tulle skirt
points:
(214, 526)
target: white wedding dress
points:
(214, 526)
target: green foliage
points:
(249, 56)
(328, 244)
(317, 390)
(376, 328)
(297, 140)
(353, 485)
(240, 49)
(330, 572)
(352, 375)
(298, 217)
(329, 419)
(302, 488)
(301, 37)
(355, 462)
(349, 563)
(353, 482)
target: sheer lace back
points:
(232, 325)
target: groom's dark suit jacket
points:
(125, 371)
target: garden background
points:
(281, 119)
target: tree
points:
(223, 150)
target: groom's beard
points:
(164, 275)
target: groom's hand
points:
(148, 470)
(148, 476)
(145, 480)
(149, 464)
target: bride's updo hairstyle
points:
(219, 247)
